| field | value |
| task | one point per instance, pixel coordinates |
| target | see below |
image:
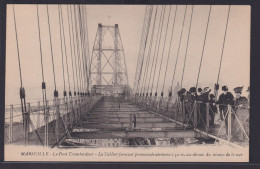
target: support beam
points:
(133, 134)
(126, 119)
(121, 124)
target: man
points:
(200, 91)
(225, 99)
(248, 96)
(189, 99)
(179, 102)
(212, 109)
(242, 113)
(202, 100)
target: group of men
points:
(203, 96)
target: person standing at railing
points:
(189, 100)
(225, 99)
(212, 109)
(202, 99)
(242, 113)
(248, 97)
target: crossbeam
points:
(126, 119)
(133, 134)
(121, 124)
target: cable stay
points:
(140, 47)
(71, 53)
(187, 45)
(74, 51)
(154, 54)
(150, 48)
(202, 54)
(157, 51)
(142, 54)
(167, 63)
(22, 90)
(44, 97)
(222, 53)
(176, 62)
(146, 65)
(163, 52)
(61, 47)
(78, 52)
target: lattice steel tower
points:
(108, 65)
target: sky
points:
(235, 68)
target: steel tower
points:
(108, 65)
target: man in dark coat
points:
(242, 116)
(212, 109)
(202, 100)
(189, 100)
(225, 99)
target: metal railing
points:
(228, 123)
(60, 115)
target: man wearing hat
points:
(189, 99)
(225, 99)
(202, 100)
(213, 109)
(242, 113)
(200, 91)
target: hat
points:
(248, 89)
(192, 89)
(183, 90)
(224, 88)
(238, 89)
(206, 89)
(199, 90)
(211, 96)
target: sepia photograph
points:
(127, 83)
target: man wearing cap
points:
(225, 99)
(242, 113)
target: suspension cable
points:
(66, 56)
(74, 50)
(187, 46)
(224, 41)
(184, 18)
(88, 46)
(39, 33)
(22, 91)
(82, 35)
(163, 48)
(146, 37)
(162, 14)
(150, 46)
(203, 46)
(140, 47)
(85, 27)
(18, 51)
(69, 24)
(159, 26)
(53, 66)
(61, 46)
(78, 50)
(44, 97)
(147, 61)
(169, 51)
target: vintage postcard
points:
(127, 83)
